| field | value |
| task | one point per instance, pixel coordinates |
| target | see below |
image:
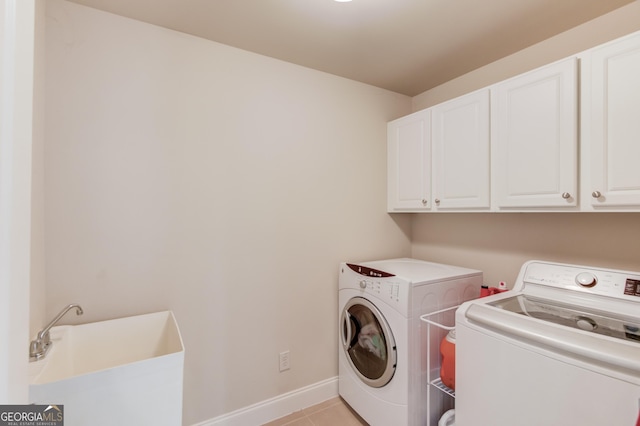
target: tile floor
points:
(333, 412)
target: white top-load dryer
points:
(383, 371)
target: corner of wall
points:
(38, 289)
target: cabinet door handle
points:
(596, 194)
(437, 201)
(424, 202)
(566, 195)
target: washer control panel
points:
(612, 283)
(586, 279)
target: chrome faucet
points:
(38, 348)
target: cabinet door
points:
(615, 124)
(535, 138)
(460, 140)
(409, 163)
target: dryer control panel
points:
(384, 289)
(368, 272)
(382, 285)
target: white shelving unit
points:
(444, 320)
(437, 383)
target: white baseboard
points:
(280, 406)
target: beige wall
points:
(187, 175)
(499, 243)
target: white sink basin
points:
(127, 364)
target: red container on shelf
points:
(448, 366)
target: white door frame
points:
(17, 35)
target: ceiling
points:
(406, 46)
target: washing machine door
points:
(368, 342)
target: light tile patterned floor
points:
(334, 412)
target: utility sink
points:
(126, 371)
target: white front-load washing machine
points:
(383, 372)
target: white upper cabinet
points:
(515, 146)
(409, 163)
(534, 138)
(460, 141)
(611, 135)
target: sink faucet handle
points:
(39, 347)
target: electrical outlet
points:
(284, 361)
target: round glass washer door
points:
(368, 342)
